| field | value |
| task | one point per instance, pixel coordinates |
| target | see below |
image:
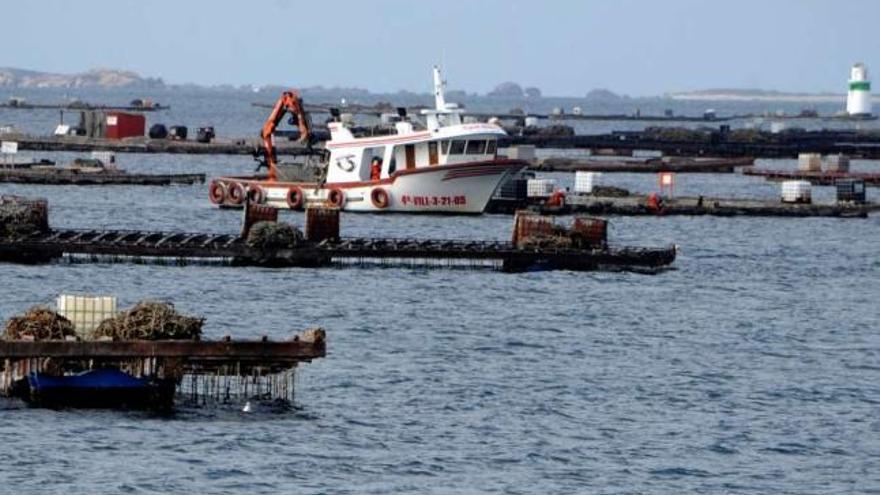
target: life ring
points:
(217, 192)
(379, 197)
(336, 198)
(295, 198)
(235, 193)
(255, 194)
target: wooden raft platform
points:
(146, 374)
(66, 176)
(81, 107)
(652, 165)
(694, 206)
(147, 145)
(820, 178)
(265, 353)
(716, 143)
(180, 246)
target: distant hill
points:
(94, 78)
(730, 94)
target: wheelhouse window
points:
(457, 147)
(491, 147)
(477, 147)
(444, 146)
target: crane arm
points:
(290, 101)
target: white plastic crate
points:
(810, 162)
(86, 312)
(540, 188)
(837, 163)
(105, 157)
(796, 191)
(584, 181)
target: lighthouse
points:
(858, 99)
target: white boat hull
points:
(460, 188)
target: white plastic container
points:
(796, 191)
(105, 157)
(585, 181)
(86, 312)
(809, 162)
(540, 188)
(521, 152)
(837, 163)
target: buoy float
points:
(655, 203)
(217, 192)
(379, 197)
(255, 194)
(295, 198)
(336, 198)
(235, 193)
(557, 198)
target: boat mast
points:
(439, 97)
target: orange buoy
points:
(217, 192)
(379, 197)
(336, 198)
(655, 202)
(235, 193)
(295, 198)
(557, 198)
(255, 194)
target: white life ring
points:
(349, 159)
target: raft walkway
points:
(234, 249)
(694, 206)
(817, 177)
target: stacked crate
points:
(796, 191)
(540, 188)
(585, 181)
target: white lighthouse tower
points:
(858, 99)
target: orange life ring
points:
(379, 197)
(295, 198)
(336, 198)
(217, 192)
(255, 194)
(235, 193)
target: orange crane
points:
(290, 101)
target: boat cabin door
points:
(410, 150)
(432, 153)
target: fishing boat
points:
(441, 165)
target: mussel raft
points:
(321, 245)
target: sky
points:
(565, 48)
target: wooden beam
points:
(243, 350)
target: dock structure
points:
(106, 245)
(651, 165)
(66, 176)
(640, 205)
(242, 146)
(816, 177)
(151, 374)
(14, 105)
(717, 143)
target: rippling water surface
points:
(752, 367)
